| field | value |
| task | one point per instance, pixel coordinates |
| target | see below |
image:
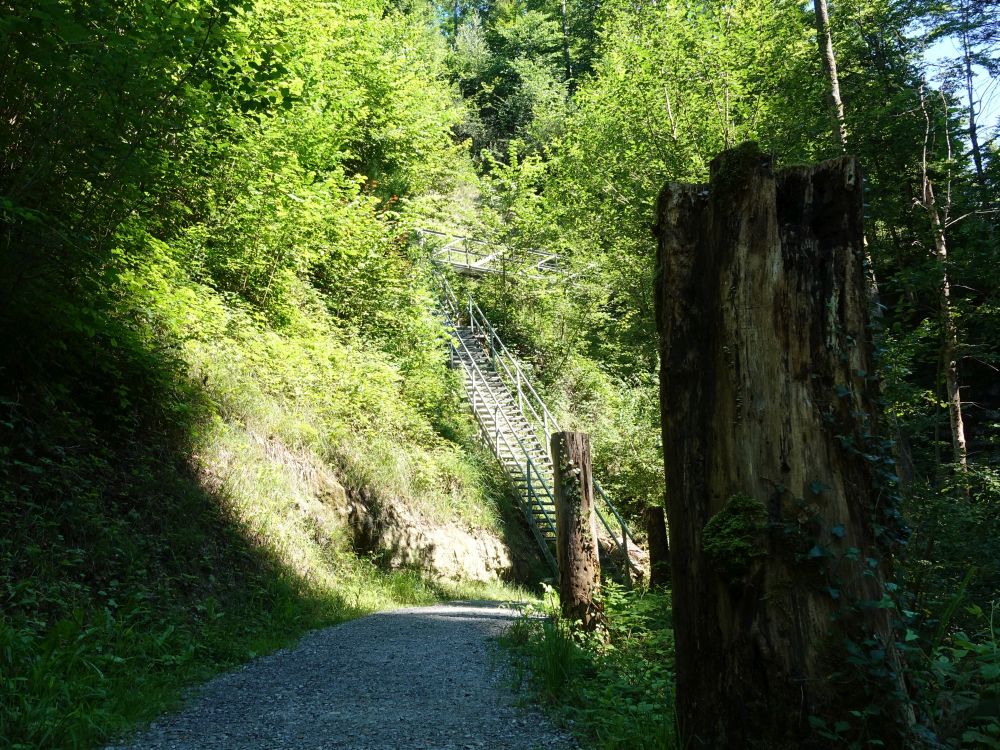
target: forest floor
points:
(423, 677)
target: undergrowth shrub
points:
(962, 677)
(952, 573)
(614, 688)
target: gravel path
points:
(413, 678)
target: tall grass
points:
(614, 689)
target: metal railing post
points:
(531, 489)
(626, 562)
(520, 395)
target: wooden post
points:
(783, 518)
(659, 548)
(576, 528)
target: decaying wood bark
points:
(781, 516)
(659, 548)
(576, 528)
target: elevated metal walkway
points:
(477, 258)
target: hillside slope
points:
(225, 415)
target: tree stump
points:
(576, 528)
(779, 496)
(659, 548)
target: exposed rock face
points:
(402, 538)
(386, 527)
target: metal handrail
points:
(499, 353)
(485, 323)
(496, 402)
(531, 486)
(546, 419)
(498, 435)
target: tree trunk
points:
(825, 41)
(782, 516)
(970, 93)
(949, 333)
(567, 62)
(938, 216)
(576, 528)
(659, 548)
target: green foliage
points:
(509, 67)
(171, 524)
(614, 688)
(964, 677)
(953, 538)
(213, 326)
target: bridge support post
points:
(576, 528)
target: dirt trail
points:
(413, 678)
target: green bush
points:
(614, 688)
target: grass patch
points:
(614, 688)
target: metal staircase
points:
(516, 424)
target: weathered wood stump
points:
(659, 548)
(779, 500)
(576, 528)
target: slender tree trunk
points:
(977, 154)
(949, 332)
(567, 61)
(938, 216)
(781, 525)
(825, 41)
(970, 93)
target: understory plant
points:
(613, 687)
